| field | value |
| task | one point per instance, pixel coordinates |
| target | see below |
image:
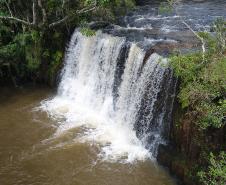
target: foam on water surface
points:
(86, 95)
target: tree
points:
(28, 29)
(42, 15)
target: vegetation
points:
(203, 83)
(166, 6)
(33, 33)
(202, 96)
(216, 171)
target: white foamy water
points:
(89, 97)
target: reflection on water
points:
(29, 155)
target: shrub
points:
(215, 174)
(203, 83)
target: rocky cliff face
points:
(189, 146)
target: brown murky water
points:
(29, 157)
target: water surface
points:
(29, 155)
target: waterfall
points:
(121, 98)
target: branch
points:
(63, 3)
(174, 5)
(44, 15)
(84, 10)
(200, 38)
(7, 4)
(16, 19)
(59, 22)
(9, 9)
(34, 13)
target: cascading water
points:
(121, 98)
(113, 106)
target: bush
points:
(203, 83)
(215, 174)
(87, 32)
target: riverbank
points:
(117, 76)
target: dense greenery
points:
(203, 82)
(33, 33)
(216, 172)
(202, 96)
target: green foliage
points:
(87, 32)
(22, 55)
(55, 64)
(99, 2)
(216, 42)
(212, 114)
(215, 174)
(9, 51)
(202, 88)
(220, 30)
(186, 66)
(166, 7)
(28, 48)
(203, 83)
(29, 44)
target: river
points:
(112, 109)
(28, 156)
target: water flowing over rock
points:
(122, 97)
(117, 88)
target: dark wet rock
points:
(152, 30)
(165, 154)
(121, 60)
(198, 1)
(146, 2)
(187, 144)
(98, 25)
(165, 34)
(176, 163)
(148, 54)
(159, 41)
